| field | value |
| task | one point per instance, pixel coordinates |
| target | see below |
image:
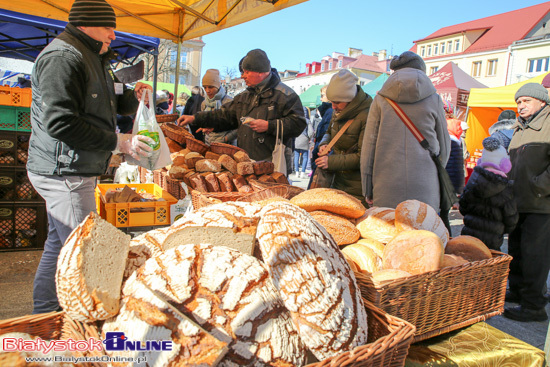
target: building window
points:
(449, 46)
(422, 51)
(330, 65)
(433, 69)
(183, 79)
(442, 48)
(323, 67)
(457, 45)
(492, 67)
(339, 63)
(476, 68)
(429, 52)
(540, 64)
(436, 49)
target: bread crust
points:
(414, 214)
(469, 248)
(416, 252)
(331, 200)
(378, 223)
(340, 228)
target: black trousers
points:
(529, 245)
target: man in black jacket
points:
(75, 102)
(265, 102)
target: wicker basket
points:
(173, 186)
(444, 300)
(389, 340)
(195, 145)
(55, 325)
(167, 118)
(158, 177)
(267, 193)
(177, 133)
(200, 199)
(292, 190)
(221, 148)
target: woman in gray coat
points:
(394, 166)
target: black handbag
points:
(447, 195)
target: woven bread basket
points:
(195, 145)
(221, 148)
(167, 118)
(177, 133)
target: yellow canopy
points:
(176, 20)
(484, 106)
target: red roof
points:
(367, 62)
(502, 29)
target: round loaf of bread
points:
(469, 248)
(452, 260)
(365, 258)
(340, 228)
(414, 214)
(330, 200)
(378, 223)
(377, 247)
(351, 263)
(415, 252)
(143, 247)
(314, 280)
(90, 268)
(231, 296)
(385, 275)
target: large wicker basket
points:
(55, 325)
(221, 148)
(389, 339)
(195, 145)
(177, 133)
(292, 190)
(173, 186)
(201, 199)
(167, 118)
(267, 193)
(444, 300)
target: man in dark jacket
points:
(75, 102)
(266, 101)
(528, 243)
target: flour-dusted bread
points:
(340, 228)
(143, 247)
(146, 316)
(331, 200)
(229, 294)
(378, 223)
(468, 247)
(231, 224)
(90, 268)
(314, 280)
(415, 252)
(365, 258)
(208, 165)
(414, 214)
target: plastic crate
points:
(19, 97)
(15, 186)
(23, 226)
(14, 148)
(15, 118)
(139, 214)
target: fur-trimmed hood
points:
(502, 125)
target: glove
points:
(134, 145)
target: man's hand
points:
(185, 120)
(323, 150)
(259, 126)
(137, 146)
(205, 130)
(140, 88)
(322, 162)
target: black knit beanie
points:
(507, 115)
(256, 60)
(92, 13)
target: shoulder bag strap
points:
(338, 135)
(412, 127)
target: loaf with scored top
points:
(331, 200)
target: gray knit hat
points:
(407, 59)
(342, 86)
(534, 90)
(212, 77)
(92, 13)
(256, 60)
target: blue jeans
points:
(304, 154)
(69, 199)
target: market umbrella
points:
(311, 98)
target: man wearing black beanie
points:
(268, 102)
(75, 101)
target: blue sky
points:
(306, 32)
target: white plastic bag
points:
(146, 124)
(278, 157)
(126, 174)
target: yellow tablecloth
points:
(479, 345)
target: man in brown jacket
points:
(528, 243)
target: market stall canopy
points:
(23, 36)
(484, 106)
(453, 84)
(373, 87)
(176, 20)
(311, 98)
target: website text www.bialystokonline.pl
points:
(92, 359)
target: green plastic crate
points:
(15, 118)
